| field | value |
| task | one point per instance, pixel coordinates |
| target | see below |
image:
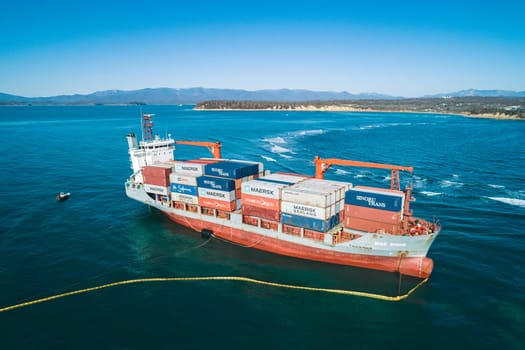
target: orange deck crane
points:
(213, 147)
(322, 165)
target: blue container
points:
(231, 170)
(382, 201)
(184, 189)
(216, 183)
(305, 222)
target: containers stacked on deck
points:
(211, 183)
(262, 197)
(313, 204)
(220, 186)
(183, 180)
(156, 178)
(374, 209)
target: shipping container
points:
(205, 160)
(315, 235)
(184, 189)
(308, 197)
(217, 204)
(216, 194)
(231, 170)
(307, 210)
(263, 189)
(260, 165)
(375, 199)
(285, 179)
(270, 214)
(379, 215)
(183, 179)
(162, 190)
(157, 170)
(370, 225)
(261, 202)
(156, 181)
(306, 222)
(216, 183)
(189, 168)
(184, 198)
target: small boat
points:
(63, 196)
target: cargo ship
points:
(301, 216)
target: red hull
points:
(420, 267)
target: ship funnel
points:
(132, 141)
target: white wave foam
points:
(270, 159)
(431, 194)
(279, 149)
(285, 156)
(307, 132)
(278, 140)
(358, 176)
(448, 183)
(341, 172)
(511, 201)
(496, 186)
(382, 125)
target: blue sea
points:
(468, 174)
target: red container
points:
(370, 225)
(366, 213)
(156, 171)
(157, 181)
(264, 213)
(261, 202)
(318, 236)
(216, 204)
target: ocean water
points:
(469, 175)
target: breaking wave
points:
(279, 149)
(448, 183)
(511, 201)
(278, 140)
(269, 159)
(430, 193)
(307, 132)
(496, 186)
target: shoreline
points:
(498, 116)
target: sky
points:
(400, 48)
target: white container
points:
(188, 168)
(263, 189)
(306, 210)
(184, 198)
(311, 197)
(288, 178)
(183, 179)
(217, 195)
(157, 189)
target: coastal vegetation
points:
(493, 107)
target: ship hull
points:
(393, 253)
(420, 267)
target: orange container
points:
(261, 202)
(156, 171)
(216, 204)
(366, 213)
(370, 225)
(270, 214)
(156, 180)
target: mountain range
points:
(199, 94)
